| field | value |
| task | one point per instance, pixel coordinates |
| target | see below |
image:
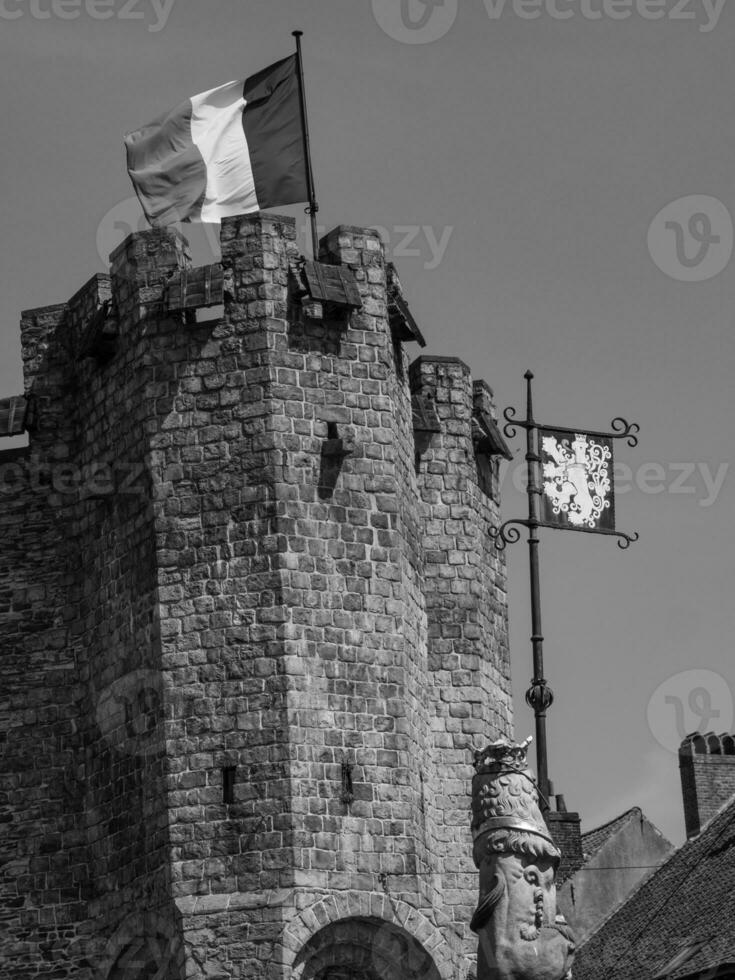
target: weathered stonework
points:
(195, 581)
(521, 934)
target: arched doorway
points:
(364, 949)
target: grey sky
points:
(536, 152)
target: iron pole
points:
(313, 208)
(538, 696)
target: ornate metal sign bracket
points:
(577, 495)
(621, 429)
(507, 533)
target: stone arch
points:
(364, 948)
(714, 744)
(381, 910)
(698, 744)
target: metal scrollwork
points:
(626, 540)
(625, 430)
(507, 533)
(513, 424)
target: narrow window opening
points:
(228, 784)
(347, 795)
(398, 358)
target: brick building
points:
(612, 861)
(679, 923)
(253, 624)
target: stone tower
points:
(253, 625)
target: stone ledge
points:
(208, 904)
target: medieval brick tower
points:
(253, 625)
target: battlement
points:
(82, 342)
(256, 623)
(708, 744)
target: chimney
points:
(565, 830)
(707, 766)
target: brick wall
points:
(208, 590)
(707, 767)
(566, 833)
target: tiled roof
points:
(593, 840)
(680, 922)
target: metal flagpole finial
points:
(529, 401)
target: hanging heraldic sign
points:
(577, 480)
(570, 477)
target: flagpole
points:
(313, 208)
(539, 696)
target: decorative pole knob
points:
(539, 696)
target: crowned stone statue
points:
(521, 936)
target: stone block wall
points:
(249, 671)
(468, 680)
(80, 545)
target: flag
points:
(232, 150)
(577, 489)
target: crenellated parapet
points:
(707, 769)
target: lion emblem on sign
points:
(577, 478)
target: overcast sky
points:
(516, 162)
